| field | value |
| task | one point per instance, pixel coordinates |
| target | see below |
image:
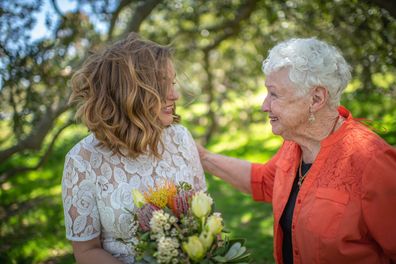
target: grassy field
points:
(31, 214)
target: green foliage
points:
(32, 229)
(234, 252)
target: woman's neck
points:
(326, 122)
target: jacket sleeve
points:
(262, 178)
(379, 200)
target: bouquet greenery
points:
(175, 224)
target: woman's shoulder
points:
(177, 130)
(361, 138)
(85, 146)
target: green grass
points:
(31, 214)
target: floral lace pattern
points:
(97, 184)
(344, 169)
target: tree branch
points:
(232, 27)
(11, 172)
(142, 11)
(209, 91)
(56, 8)
(34, 140)
(114, 17)
(4, 51)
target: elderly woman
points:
(126, 98)
(332, 183)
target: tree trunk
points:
(36, 137)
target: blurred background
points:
(219, 46)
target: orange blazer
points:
(345, 211)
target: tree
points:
(40, 70)
(219, 46)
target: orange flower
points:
(161, 195)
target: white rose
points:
(106, 170)
(104, 186)
(121, 197)
(95, 160)
(85, 199)
(107, 216)
(119, 175)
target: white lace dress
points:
(97, 184)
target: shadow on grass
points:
(244, 217)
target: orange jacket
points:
(345, 211)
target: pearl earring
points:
(311, 118)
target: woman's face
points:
(288, 111)
(166, 114)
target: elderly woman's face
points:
(288, 111)
(166, 114)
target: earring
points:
(311, 118)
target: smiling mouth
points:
(272, 118)
(168, 109)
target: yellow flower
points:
(214, 224)
(160, 195)
(138, 198)
(194, 248)
(201, 204)
(206, 239)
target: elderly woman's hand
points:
(201, 151)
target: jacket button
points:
(293, 226)
(299, 201)
(296, 252)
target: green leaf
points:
(233, 251)
(243, 258)
(220, 259)
(225, 230)
(240, 240)
(150, 259)
(144, 236)
(240, 252)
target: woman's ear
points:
(320, 96)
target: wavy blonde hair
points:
(119, 92)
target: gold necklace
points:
(301, 176)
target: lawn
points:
(31, 214)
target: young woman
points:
(126, 98)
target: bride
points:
(125, 95)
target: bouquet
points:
(175, 224)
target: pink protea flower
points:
(180, 203)
(144, 215)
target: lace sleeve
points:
(79, 200)
(199, 177)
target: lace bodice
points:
(97, 184)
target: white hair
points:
(311, 63)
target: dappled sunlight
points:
(266, 226)
(352, 86)
(34, 230)
(384, 80)
(245, 218)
